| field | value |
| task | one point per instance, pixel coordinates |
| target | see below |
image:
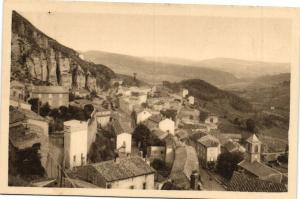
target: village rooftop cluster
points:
(131, 137)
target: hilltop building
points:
(191, 100)
(185, 92)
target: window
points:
(144, 185)
(131, 187)
(211, 120)
(82, 159)
(256, 149)
(108, 186)
(74, 158)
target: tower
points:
(253, 148)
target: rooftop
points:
(231, 146)
(49, 89)
(19, 114)
(209, 141)
(120, 126)
(76, 125)
(258, 169)
(240, 182)
(186, 161)
(159, 133)
(155, 118)
(253, 139)
(24, 136)
(124, 168)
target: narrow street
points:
(209, 183)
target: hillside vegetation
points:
(207, 92)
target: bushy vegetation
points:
(207, 92)
(103, 148)
(227, 163)
(61, 114)
(144, 138)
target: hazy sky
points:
(189, 37)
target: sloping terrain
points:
(39, 59)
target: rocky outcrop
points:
(35, 56)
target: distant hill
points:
(204, 91)
(156, 72)
(237, 67)
(270, 97)
(39, 59)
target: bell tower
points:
(253, 148)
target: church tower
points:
(253, 148)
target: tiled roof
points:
(239, 182)
(155, 118)
(257, 168)
(253, 139)
(49, 89)
(120, 126)
(159, 133)
(186, 161)
(20, 114)
(182, 134)
(230, 146)
(123, 168)
(23, 137)
(209, 141)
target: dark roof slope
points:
(240, 182)
(123, 168)
(258, 169)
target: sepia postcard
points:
(149, 100)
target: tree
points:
(45, 110)
(54, 113)
(250, 125)
(64, 112)
(88, 109)
(203, 115)
(35, 104)
(227, 163)
(141, 135)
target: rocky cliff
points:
(39, 59)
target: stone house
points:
(122, 173)
(56, 96)
(208, 149)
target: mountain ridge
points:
(156, 72)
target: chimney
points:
(194, 180)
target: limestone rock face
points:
(37, 58)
